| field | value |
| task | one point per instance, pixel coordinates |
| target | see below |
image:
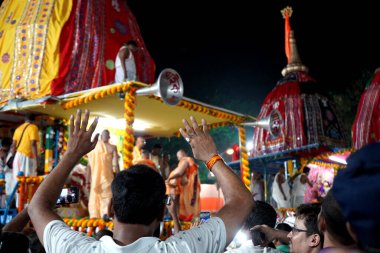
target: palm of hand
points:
(79, 142)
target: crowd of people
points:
(136, 199)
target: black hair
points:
(284, 227)
(306, 170)
(30, 117)
(138, 195)
(335, 221)
(309, 213)
(157, 145)
(13, 242)
(6, 142)
(131, 43)
(262, 213)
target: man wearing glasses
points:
(305, 236)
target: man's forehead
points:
(299, 223)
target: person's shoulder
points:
(33, 125)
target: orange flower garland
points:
(244, 165)
(129, 139)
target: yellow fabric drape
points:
(29, 46)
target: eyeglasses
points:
(294, 230)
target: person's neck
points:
(125, 234)
(329, 242)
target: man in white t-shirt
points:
(139, 202)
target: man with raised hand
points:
(139, 202)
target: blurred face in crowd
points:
(180, 155)
(300, 241)
(105, 136)
(140, 142)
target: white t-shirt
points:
(248, 247)
(208, 237)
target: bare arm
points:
(172, 208)
(179, 171)
(79, 143)
(271, 234)
(12, 149)
(123, 55)
(33, 144)
(238, 200)
(18, 223)
(115, 160)
(305, 179)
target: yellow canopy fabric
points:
(160, 119)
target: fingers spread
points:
(195, 126)
(95, 141)
(85, 120)
(93, 125)
(183, 133)
(205, 128)
(71, 127)
(78, 121)
(189, 129)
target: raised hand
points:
(79, 142)
(199, 138)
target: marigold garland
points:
(27, 187)
(244, 165)
(210, 111)
(129, 139)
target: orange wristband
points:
(210, 163)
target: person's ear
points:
(315, 240)
(351, 231)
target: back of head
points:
(138, 195)
(14, 242)
(306, 170)
(105, 136)
(30, 117)
(309, 214)
(335, 221)
(262, 213)
(361, 205)
(131, 43)
(284, 227)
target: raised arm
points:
(115, 160)
(41, 207)
(123, 55)
(18, 223)
(179, 171)
(238, 200)
(271, 234)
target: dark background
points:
(231, 53)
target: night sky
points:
(235, 51)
